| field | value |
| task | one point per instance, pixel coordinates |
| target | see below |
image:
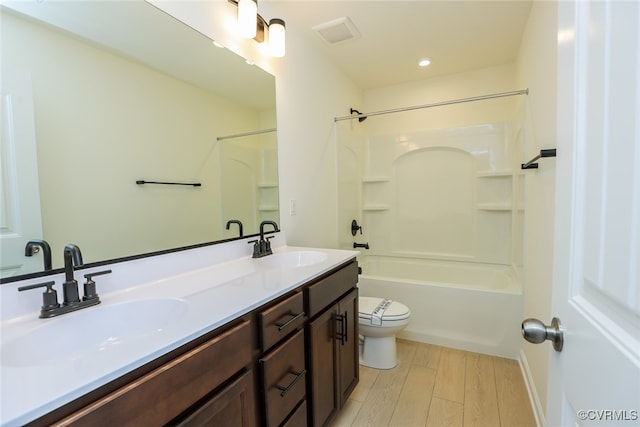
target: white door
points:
(20, 219)
(595, 380)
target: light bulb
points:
(277, 38)
(247, 18)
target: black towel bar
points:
(193, 184)
(551, 152)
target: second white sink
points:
(293, 259)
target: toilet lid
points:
(383, 309)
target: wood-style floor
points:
(437, 387)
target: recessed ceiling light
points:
(424, 62)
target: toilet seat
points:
(378, 311)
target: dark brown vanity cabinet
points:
(292, 362)
(333, 344)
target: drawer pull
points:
(294, 317)
(285, 390)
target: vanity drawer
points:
(164, 393)
(298, 418)
(231, 406)
(322, 293)
(280, 320)
(284, 379)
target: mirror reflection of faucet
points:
(71, 297)
(235, 221)
(33, 247)
(361, 245)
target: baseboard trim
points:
(538, 412)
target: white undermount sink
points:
(293, 259)
(91, 331)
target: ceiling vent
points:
(337, 31)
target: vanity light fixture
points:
(277, 37)
(247, 18)
(253, 26)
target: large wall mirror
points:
(99, 95)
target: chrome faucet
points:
(235, 221)
(72, 255)
(262, 247)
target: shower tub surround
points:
(443, 215)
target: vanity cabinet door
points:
(323, 366)
(333, 358)
(233, 406)
(348, 350)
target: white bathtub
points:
(475, 307)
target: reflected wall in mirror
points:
(137, 96)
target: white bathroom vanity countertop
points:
(46, 363)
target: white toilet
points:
(380, 321)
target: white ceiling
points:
(456, 35)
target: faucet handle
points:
(49, 296)
(90, 286)
(267, 245)
(256, 248)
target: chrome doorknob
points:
(534, 331)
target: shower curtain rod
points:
(239, 135)
(435, 104)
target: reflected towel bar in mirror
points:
(192, 184)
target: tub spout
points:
(361, 245)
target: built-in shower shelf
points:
(494, 206)
(494, 174)
(374, 179)
(267, 185)
(376, 207)
(268, 208)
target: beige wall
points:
(536, 69)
